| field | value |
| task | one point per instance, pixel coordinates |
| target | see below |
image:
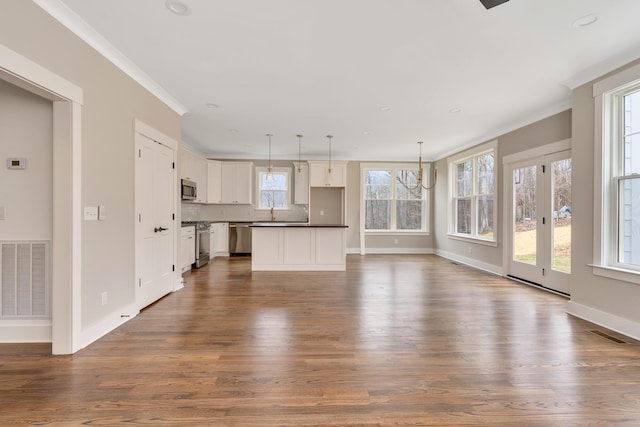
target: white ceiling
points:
(318, 67)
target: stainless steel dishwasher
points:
(239, 238)
(203, 245)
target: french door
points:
(539, 241)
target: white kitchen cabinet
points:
(319, 175)
(187, 247)
(301, 183)
(267, 245)
(219, 239)
(237, 178)
(304, 248)
(330, 246)
(193, 167)
(185, 164)
(214, 181)
(299, 246)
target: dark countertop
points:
(207, 221)
(297, 224)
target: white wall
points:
(26, 195)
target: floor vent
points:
(609, 337)
(454, 263)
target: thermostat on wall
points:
(16, 163)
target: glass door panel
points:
(561, 200)
(525, 229)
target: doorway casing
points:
(66, 257)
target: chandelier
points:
(419, 184)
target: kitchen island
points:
(298, 247)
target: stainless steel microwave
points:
(189, 190)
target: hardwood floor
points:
(394, 340)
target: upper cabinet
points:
(193, 167)
(320, 176)
(301, 183)
(236, 179)
(214, 186)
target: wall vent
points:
(25, 280)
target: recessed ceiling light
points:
(234, 130)
(178, 7)
(366, 133)
(455, 110)
(585, 21)
(384, 108)
(211, 105)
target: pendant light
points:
(299, 155)
(329, 137)
(270, 166)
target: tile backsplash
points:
(200, 212)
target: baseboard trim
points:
(107, 324)
(490, 268)
(607, 320)
(25, 330)
(392, 251)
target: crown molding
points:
(84, 31)
(554, 109)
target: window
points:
(273, 188)
(472, 191)
(617, 177)
(392, 199)
(627, 179)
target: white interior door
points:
(540, 220)
(155, 192)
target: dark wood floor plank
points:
(393, 340)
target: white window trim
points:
(604, 205)
(491, 146)
(364, 167)
(286, 170)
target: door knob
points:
(155, 230)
